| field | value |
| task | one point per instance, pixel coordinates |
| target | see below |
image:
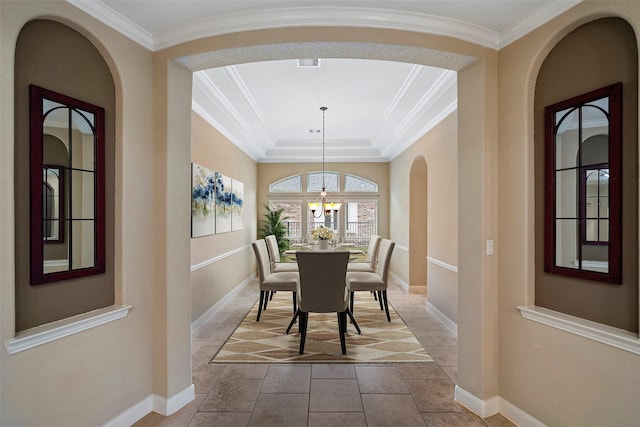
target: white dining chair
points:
(322, 289)
(271, 282)
(372, 257)
(373, 281)
(274, 255)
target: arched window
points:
(356, 183)
(290, 184)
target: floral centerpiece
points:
(322, 233)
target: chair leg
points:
(342, 325)
(295, 302)
(293, 320)
(262, 297)
(351, 300)
(266, 299)
(353, 320)
(386, 304)
(375, 296)
(380, 299)
(271, 295)
(304, 316)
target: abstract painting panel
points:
(237, 204)
(202, 201)
(223, 203)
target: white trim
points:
(546, 13)
(449, 324)
(402, 248)
(168, 406)
(53, 331)
(404, 285)
(196, 324)
(218, 258)
(482, 408)
(442, 264)
(115, 20)
(595, 331)
(493, 405)
(153, 403)
(517, 415)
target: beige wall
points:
(211, 282)
(47, 384)
(559, 378)
(439, 147)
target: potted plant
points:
(273, 223)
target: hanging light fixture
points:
(322, 206)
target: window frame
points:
(614, 274)
(38, 276)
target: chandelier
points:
(323, 206)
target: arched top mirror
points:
(583, 186)
(67, 187)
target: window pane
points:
(83, 185)
(566, 243)
(83, 255)
(314, 181)
(293, 224)
(567, 139)
(361, 222)
(356, 183)
(82, 140)
(291, 184)
(566, 194)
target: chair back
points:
(322, 281)
(262, 258)
(384, 258)
(372, 250)
(274, 250)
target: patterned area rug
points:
(266, 342)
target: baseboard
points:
(168, 406)
(449, 324)
(488, 407)
(399, 281)
(161, 405)
(196, 324)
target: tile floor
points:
(314, 395)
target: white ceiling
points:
(376, 108)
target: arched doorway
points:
(418, 225)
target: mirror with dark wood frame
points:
(67, 187)
(583, 186)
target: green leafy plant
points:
(273, 223)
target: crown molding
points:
(544, 14)
(324, 16)
(339, 16)
(113, 19)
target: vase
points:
(323, 245)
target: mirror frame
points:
(38, 276)
(614, 274)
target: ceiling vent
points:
(314, 62)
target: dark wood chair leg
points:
(271, 295)
(386, 305)
(295, 302)
(304, 316)
(353, 320)
(380, 299)
(266, 299)
(375, 296)
(293, 320)
(262, 295)
(351, 300)
(342, 325)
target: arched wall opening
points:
(477, 105)
(418, 224)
